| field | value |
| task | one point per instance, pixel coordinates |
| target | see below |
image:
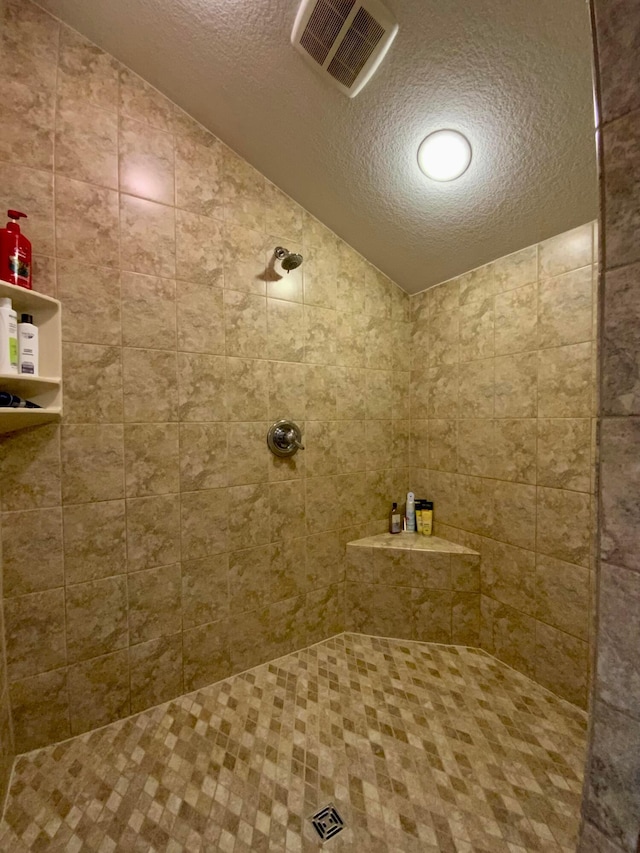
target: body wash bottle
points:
(27, 345)
(411, 513)
(427, 518)
(395, 520)
(8, 337)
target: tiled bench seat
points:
(413, 587)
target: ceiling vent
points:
(344, 40)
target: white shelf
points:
(46, 389)
(14, 419)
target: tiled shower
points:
(151, 545)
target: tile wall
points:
(611, 807)
(151, 542)
(503, 442)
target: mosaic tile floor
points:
(419, 747)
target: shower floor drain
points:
(327, 822)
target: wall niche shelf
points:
(45, 389)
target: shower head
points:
(289, 260)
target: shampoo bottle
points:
(411, 512)
(427, 518)
(8, 338)
(15, 252)
(395, 520)
(27, 346)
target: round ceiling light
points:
(444, 155)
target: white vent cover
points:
(344, 40)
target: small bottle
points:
(395, 520)
(8, 337)
(427, 518)
(411, 513)
(419, 516)
(27, 346)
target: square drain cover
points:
(327, 822)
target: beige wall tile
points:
(153, 531)
(94, 541)
(443, 338)
(509, 575)
(139, 100)
(30, 466)
(155, 608)
(200, 318)
(514, 638)
(286, 331)
(198, 178)
(248, 458)
(561, 663)
(92, 462)
(93, 383)
(245, 324)
(86, 144)
(148, 311)
(249, 578)
(516, 322)
(565, 308)
(567, 251)
(32, 553)
(203, 456)
(287, 625)
(156, 672)
(249, 639)
(515, 450)
(620, 203)
(564, 453)
(150, 380)
(205, 594)
(206, 655)
(478, 284)
(282, 215)
(251, 389)
(514, 513)
(199, 248)
(476, 447)
(444, 297)
(477, 329)
(562, 596)
(249, 263)
(288, 570)
(96, 618)
(443, 391)
(40, 710)
(99, 691)
(249, 523)
(516, 386)
(431, 613)
(322, 447)
(83, 212)
(204, 523)
(86, 74)
(320, 388)
(91, 300)
(465, 618)
(34, 633)
(563, 526)
(323, 559)
(27, 113)
(147, 237)
(516, 270)
(151, 459)
(319, 335)
(324, 615)
(201, 387)
(476, 390)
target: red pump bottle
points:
(15, 252)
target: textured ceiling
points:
(513, 75)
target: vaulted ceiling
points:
(513, 75)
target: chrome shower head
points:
(289, 260)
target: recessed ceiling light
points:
(444, 155)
